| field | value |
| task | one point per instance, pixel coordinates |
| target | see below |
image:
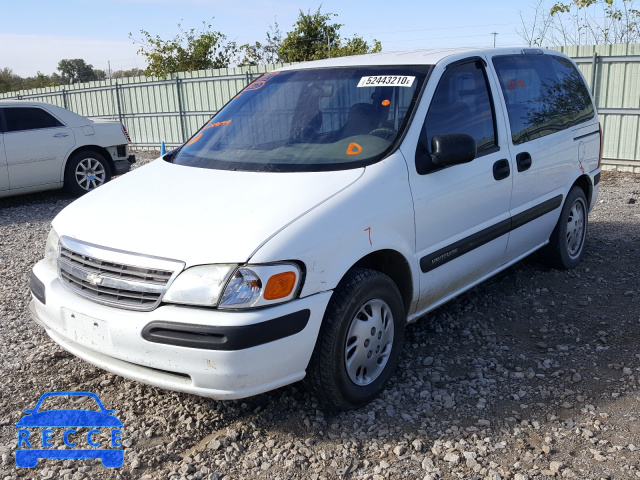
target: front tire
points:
(360, 341)
(566, 244)
(86, 171)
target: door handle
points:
(523, 160)
(501, 169)
(60, 135)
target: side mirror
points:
(452, 149)
(448, 149)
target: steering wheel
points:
(385, 133)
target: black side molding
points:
(535, 212)
(226, 338)
(587, 134)
(596, 179)
(459, 248)
(37, 288)
(455, 250)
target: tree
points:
(314, 38)
(261, 54)
(133, 72)
(77, 70)
(581, 22)
(186, 52)
(535, 31)
(602, 21)
(9, 81)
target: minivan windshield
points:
(309, 120)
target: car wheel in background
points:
(86, 171)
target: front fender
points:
(375, 213)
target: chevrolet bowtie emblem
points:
(94, 279)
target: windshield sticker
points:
(217, 124)
(259, 83)
(386, 103)
(194, 139)
(516, 84)
(387, 81)
(354, 149)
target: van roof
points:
(413, 57)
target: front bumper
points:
(208, 352)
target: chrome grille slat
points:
(115, 278)
(111, 292)
(158, 276)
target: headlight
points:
(261, 285)
(51, 249)
(233, 287)
(200, 285)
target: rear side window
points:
(29, 118)
(544, 94)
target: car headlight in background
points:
(51, 249)
(233, 287)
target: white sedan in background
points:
(44, 147)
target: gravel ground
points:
(533, 374)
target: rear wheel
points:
(360, 341)
(86, 171)
(566, 244)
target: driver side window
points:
(462, 104)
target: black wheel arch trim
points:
(226, 338)
(459, 248)
(95, 148)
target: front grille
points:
(89, 271)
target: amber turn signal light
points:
(280, 286)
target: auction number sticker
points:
(387, 80)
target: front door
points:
(462, 211)
(36, 144)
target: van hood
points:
(195, 215)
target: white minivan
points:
(321, 210)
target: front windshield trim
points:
(423, 70)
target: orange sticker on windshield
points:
(354, 149)
(195, 139)
(259, 83)
(386, 103)
(516, 84)
(217, 124)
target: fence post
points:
(594, 65)
(118, 100)
(180, 111)
(64, 99)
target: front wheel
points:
(86, 171)
(360, 341)
(566, 244)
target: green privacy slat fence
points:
(156, 110)
(613, 73)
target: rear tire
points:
(86, 171)
(360, 341)
(566, 244)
